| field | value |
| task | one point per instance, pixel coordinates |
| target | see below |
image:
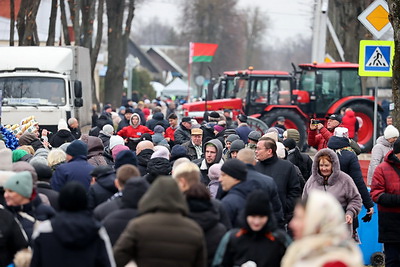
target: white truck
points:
(48, 83)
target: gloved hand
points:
(367, 217)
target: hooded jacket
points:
(349, 164)
(207, 216)
(378, 154)
(134, 131)
(117, 220)
(105, 138)
(61, 137)
(71, 239)
(101, 121)
(157, 119)
(95, 150)
(157, 166)
(162, 235)
(339, 184)
(386, 193)
(103, 189)
(204, 166)
(349, 121)
(30, 139)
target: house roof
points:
(165, 62)
(145, 60)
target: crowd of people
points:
(148, 188)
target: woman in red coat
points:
(135, 129)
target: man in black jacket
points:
(282, 171)
(194, 146)
(268, 184)
(182, 133)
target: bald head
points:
(247, 156)
(146, 144)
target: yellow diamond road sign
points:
(375, 18)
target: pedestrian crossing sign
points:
(375, 58)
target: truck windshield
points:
(36, 91)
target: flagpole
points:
(188, 90)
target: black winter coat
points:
(105, 208)
(45, 189)
(284, 174)
(158, 119)
(105, 139)
(207, 216)
(143, 158)
(71, 239)
(27, 214)
(61, 137)
(117, 220)
(156, 167)
(235, 200)
(11, 237)
(349, 164)
(103, 189)
(268, 185)
(181, 135)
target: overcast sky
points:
(288, 17)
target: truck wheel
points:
(292, 121)
(378, 259)
(365, 132)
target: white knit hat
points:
(62, 125)
(108, 129)
(116, 140)
(391, 132)
(341, 132)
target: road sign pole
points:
(375, 110)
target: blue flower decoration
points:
(9, 138)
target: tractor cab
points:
(257, 88)
(322, 85)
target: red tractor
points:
(321, 90)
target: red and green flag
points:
(201, 52)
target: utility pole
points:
(319, 30)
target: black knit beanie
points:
(257, 203)
(73, 197)
(235, 168)
(289, 143)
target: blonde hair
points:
(56, 156)
(188, 171)
(29, 149)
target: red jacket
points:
(137, 132)
(319, 140)
(169, 132)
(349, 121)
(385, 190)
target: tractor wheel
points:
(365, 132)
(378, 259)
(292, 121)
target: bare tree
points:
(350, 31)
(394, 18)
(12, 22)
(64, 24)
(215, 21)
(52, 23)
(118, 36)
(26, 22)
(255, 25)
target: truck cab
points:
(49, 83)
